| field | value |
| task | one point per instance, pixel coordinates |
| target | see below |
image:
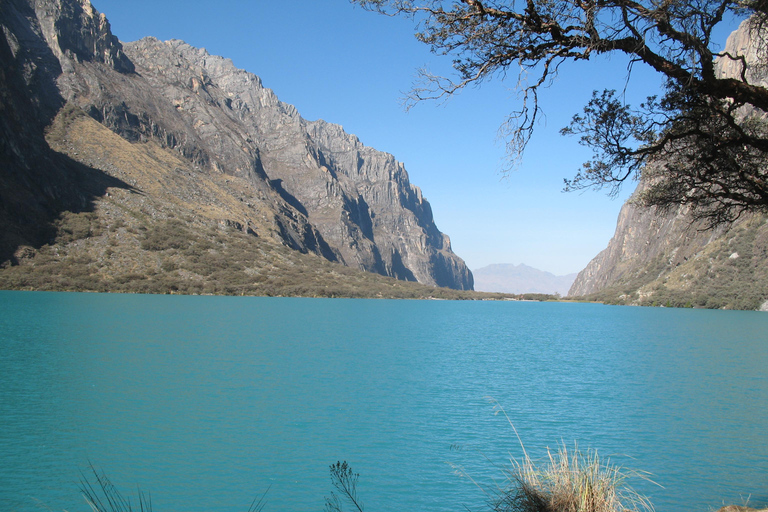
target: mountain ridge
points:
(520, 279)
(668, 257)
(307, 184)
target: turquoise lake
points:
(207, 402)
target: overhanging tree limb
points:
(699, 113)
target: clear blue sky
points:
(338, 62)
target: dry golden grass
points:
(563, 481)
(161, 175)
(569, 481)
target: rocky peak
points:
(665, 256)
(326, 191)
(75, 29)
(745, 43)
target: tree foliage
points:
(702, 142)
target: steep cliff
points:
(36, 182)
(665, 257)
(307, 185)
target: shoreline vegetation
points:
(564, 481)
(114, 250)
(319, 279)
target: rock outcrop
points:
(666, 257)
(311, 186)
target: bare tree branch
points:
(696, 123)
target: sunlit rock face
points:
(316, 188)
(659, 257)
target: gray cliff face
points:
(643, 236)
(665, 253)
(75, 30)
(660, 258)
(36, 183)
(325, 191)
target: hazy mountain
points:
(508, 278)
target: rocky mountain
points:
(148, 132)
(667, 258)
(517, 279)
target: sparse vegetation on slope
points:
(729, 273)
(211, 263)
(88, 254)
(179, 230)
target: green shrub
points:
(76, 226)
(167, 235)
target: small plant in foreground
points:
(102, 496)
(568, 481)
(345, 481)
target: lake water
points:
(207, 402)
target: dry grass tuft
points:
(565, 481)
(101, 495)
(569, 481)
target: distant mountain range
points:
(509, 278)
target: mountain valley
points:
(154, 166)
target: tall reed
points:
(102, 496)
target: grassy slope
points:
(179, 230)
(729, 273)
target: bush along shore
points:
(564, 481)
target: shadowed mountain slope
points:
(190, 139)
